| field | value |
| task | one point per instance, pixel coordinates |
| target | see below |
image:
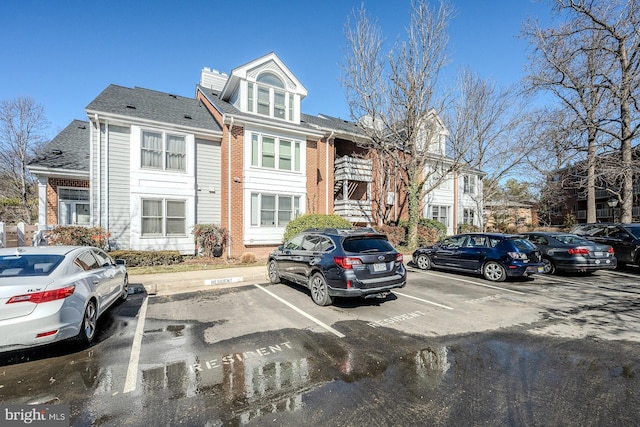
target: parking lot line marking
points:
(134, 358)
(473, 283)
(308, 316)
(423, 300)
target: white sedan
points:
(51, 293)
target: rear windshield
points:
(571, 239)
(367, 244)
(28, 265)
(522, 244)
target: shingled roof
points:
(69, 150)
(153, 105)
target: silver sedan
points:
(51, 293)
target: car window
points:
(294, 243)
(103, 259)
(595, 232)
(309, 243)
(571, 239)
(538, 240)
(28, 265)
(86, 261)
(635, 231)
(522, 244)
(366, 244)
(616, 232)
(494, 241)
(325, 245)
(477, 242)
(454, 241)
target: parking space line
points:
(308, 316)
(423, 300)
(469, 281)
(134, 358)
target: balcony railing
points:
(356, 211)
(353, 169)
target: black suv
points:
(625, 239)
(339, 262)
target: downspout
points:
(96, 174)
(229, 190)
(326, 166)
(106, 180)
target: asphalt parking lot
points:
(448, 349)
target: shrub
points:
(397, 235)
(427, 236)
(247, 258)
(467, 228)
(210, 238)
(77, 235)
(314, 221)
(147, 258)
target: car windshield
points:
(366, 244)
(571, 239)
(28, 265)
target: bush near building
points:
(78, 235)
(319, 221)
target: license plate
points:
(540, 269)
(379, 266)
(598, 253)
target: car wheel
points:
(89, 323)
(125, 288)
(494, 271)
(274, 276)
(549, 266)
(320, 290)
(423, 262)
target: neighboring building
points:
(147, 166)
(567, 200)
(510, 216)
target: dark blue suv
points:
(494, 255)
(339, 263)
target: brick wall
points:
(52, 195)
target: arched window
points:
(270, 79)
(268, 97)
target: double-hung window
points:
(163, 217)
(275, 153)
(440, 213)
(163, 151)
(73, 206)
(469, 182)
(268, 97)
(273, 210)
(468, 216)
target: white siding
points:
(116, 196)
(208, 182)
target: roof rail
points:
(334, 230)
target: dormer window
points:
(268, 97)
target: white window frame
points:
(468, 216)
(164, 151)
(469, 184)
(257, 210)
(69, 206)
(164, 217)
(439, 215)
(279, 156)
(266, 106)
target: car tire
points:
(423, 262)
(320, 290)
(125, 288)
(89, 323)
(549, 266)
(274, 276)
(494, 272)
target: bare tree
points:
(394, 97)
(486, 122)
(22, 131)
(594, 61)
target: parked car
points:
(51, 293)
(570, 252)
(339, 263)
(494, 255)
(624, 238)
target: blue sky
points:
(64, 53)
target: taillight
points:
(346, 263)
(518, 255)
(578, 251)
(399, 258)
(45, 296)
(610, 250)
